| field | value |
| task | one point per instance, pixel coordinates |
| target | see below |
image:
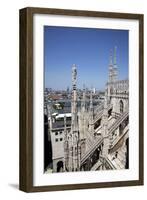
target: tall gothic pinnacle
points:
(111, 59)
(113, 73)
(115, 64)
(83, 102)
(91, 100)
(111, 66)
(65, 121)
(114, 58)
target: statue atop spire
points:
(74, 76)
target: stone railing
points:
(91, 149)
(118, 141)
(116, 124)
(98, 108)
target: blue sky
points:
(89, 49)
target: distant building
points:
(94, 90)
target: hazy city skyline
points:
(89, 49)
